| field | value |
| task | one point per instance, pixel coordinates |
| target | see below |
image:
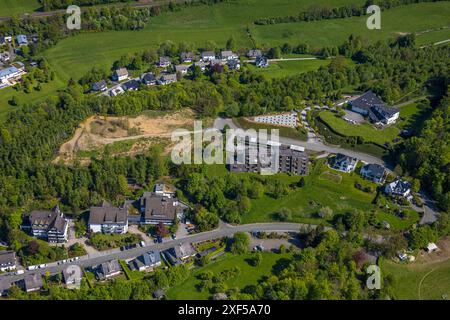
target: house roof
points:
(5, 284)
(367, 100)
(148, 77)
(7, 258)
(32, 281)
(227, 53)
(169, 77)
(158, 207)
(342, 158)
(53, 219)
(108, 214)
(208, 54)
(399, 186)
(8, 71)
(254, 53)
(67, 274)
(164, 59)
(121, 72)
(380, 113)
(100, 84)
(187, 56)
(148, 259)
(110, 267)
(182, 67)
(375, 170)
(130, 85)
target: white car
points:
(32, 267)
(142, 244)
(43, 265)
(19, 272)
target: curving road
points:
(313, 144)
(224, 230)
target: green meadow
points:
(248, 275)
(15, 7)
(289, 68)
(419, 281)
(323, 187)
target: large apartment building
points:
(49, 225)
(291, 159)
(108, 219)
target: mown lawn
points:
(13, 7)
(435, 278)
(320, 190)
(288, 68)
(398, 223)
(249, 275)
(365, 130)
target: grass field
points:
(249, 275)
(289, 68)
(365, 130)
(320, 190)
(419, 281)
(397, 223)
(13, 7)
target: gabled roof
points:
(342, 158)
(5, 284)
(108, 214)
(148, 77)
(110, 267)
(367, 100)
(7, 258)
(187, 56)
(121, 72)
(53, 219)
(33, 281)
(375, 170)
(158, 207)
(130, 85)
(399, 186)
(208, 54)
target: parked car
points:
(32, 267)
(142, 243)
(174, 236)
(19, 272)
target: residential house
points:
(164, 62)
(146, 261)
(131, 85)
(148, 79)
(234, 64)
(208, 55)
(344, 163)
(290, 159)
(262, 62)
(116, 91)
(22, 40)
(167, 78)
(50, 225)
(4, 56)
(120, 74)
(2, 41)
(201, 64)
(182, 68)
(8, 39)
(158, 208)
(187, 57)
(108, 219)
(32, 282)
(72, 276)
(399, 188)
(7, 261)
(100, 86)
(254, 53)
(108, 270)
(9, 73)
(374, 172)
(228, 55)
(370, 105)
(5, 285)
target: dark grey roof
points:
(380, 113)
(148, 78)
(7, 258)
(343, 158)
(110, 267)
(367, 100)
(131, 85)
(158, 207)
(148, 259)
(233, 64)
(100, 84)
(49, 219)
(108, 214)
(33, 281)
(208, 53)
(187, 56)
(376, 170)
(5, 284)
(399, 186)
(158, 294)
(254, 53)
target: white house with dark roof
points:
(228, 55)
(182, 68)
(342, 162)
(262, 62)
(120, 74)
(400, 188)
(146, 261)
(164, 62)
(100, 86)
(187, 57)
(108, 270)
(32, 282)
(7, 261)
(370, 105)
(254, 53)
(208, 55)
(148, 79)
(374, 172)
(50, 225)
(108, 219)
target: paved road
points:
(224, 230)
(313, 144)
